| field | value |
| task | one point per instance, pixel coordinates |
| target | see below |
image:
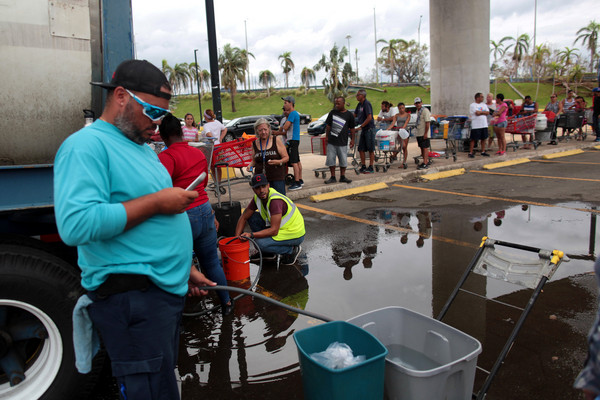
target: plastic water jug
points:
(541, 122)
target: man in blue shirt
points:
(115, 201)
(364, 121)
(291, 128)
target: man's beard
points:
(124, 122)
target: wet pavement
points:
(407, 246)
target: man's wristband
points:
(251, 235)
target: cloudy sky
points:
(309, 28)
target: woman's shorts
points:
(502, 124)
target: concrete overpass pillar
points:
(460, 43)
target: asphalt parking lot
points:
(404, 238)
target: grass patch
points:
(316, 104)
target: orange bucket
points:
(235, 254)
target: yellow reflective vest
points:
(292, 222)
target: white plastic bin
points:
(426, 359)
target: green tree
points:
(520, 49)
(204, 80)
(576, 75)
(267, 79)
(192, 73)
(168, 71)
(411, 61)
(307, 76)
(538, 58)
(391, 53)
(286, 64)
(337, 79)
(589, 34)
(179, 77)
(554, 68)
(566, 56)
(232, 65)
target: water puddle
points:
(408, 258)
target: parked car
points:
(237, 126)
(317, 127)
(304, 118)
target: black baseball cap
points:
(258, 180)
(139, 75)
(289, 98)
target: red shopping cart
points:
(521, 126)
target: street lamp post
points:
(419, 51)
(375, 32)
(198, 85)
(247, 59)
(349, 52)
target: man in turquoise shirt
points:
(292, 125)
(114, 200)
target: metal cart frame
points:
(530, 274)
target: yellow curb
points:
(506, 163)
(562, 154)
(597, 147)
(444, 174)
(347, 192)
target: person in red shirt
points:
(185, 163)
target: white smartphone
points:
(197, 181)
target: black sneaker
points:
(344, 179)
(485, 154)
(471, 155)
(331, 180)
(362, 169)
(227, 309)
(369, 170)
(301, 182)
(295, 186)
(423, 166)
(289, 259)
(266, 257)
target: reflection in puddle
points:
(409, 258)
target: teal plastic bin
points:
(361, 381)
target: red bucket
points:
(235, 254)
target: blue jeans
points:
(268, 245)
(204, 234)
(140, 330)
(278, 185)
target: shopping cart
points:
(206, 146)
(454, 131)
(525, 266)
(521, 126)
(569, 121)
(233, 154)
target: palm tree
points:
(204, 79)
(391, 51)
(168, 71)
(267, 79)
(180, 76)
(565, 56)
(538, 56)
(245, 55)
(232, 65)
(554, 68)
(577, 74)
(193, 73)
(287, 64)
(335, 85)
(520, 49)
(589, 34)
(307, 76)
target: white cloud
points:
(309, 28)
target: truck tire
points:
(36, 283)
